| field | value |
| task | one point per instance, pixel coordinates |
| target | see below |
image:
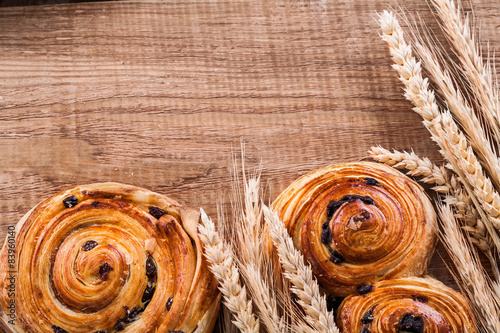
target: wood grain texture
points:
(159, 94)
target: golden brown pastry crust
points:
(422, 304)
(358, 223)
(91, 266)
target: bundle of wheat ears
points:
(254, 289)
(460, 107)
(275, 291)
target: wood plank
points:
(159, 94)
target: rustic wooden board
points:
(159, 94)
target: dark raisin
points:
(131, 315)
(69, 202)
(326, 234)
(58, 329)
(101, 331)
(365, 330)
(332, 207)
(95, 204)
(372, 181)
(150, 267)
(421, 299)
(411, 324)
(170, 301)
(352, 197)
(104, 269)
(365, 289)
(120, 325)
(336, 257)
(368, 317)
(148, 294)
(157, 212)
(89, 245)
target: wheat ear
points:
(410, 73)
(477, 286)
(479, 74)
(222, 266)
(415, 166)
(255, 264)
(304, 285)
(447, 183)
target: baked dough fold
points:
(358, 223)
(108, 257)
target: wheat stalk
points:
(476, 285)
(259, 266)
(459, 153)
(479, 74)
(300, 275)
(222, 266)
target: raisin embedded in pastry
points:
(105, 258)
(358, 223)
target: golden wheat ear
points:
(224, 269)
(445, 183)
(304, 285)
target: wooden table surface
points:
(159, 94)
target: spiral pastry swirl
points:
(105, 258)
(357, 223)
(406, 305)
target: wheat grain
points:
(222, 266)
(470, 275)
(249, 224)
(486, 197)
(300, 275)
